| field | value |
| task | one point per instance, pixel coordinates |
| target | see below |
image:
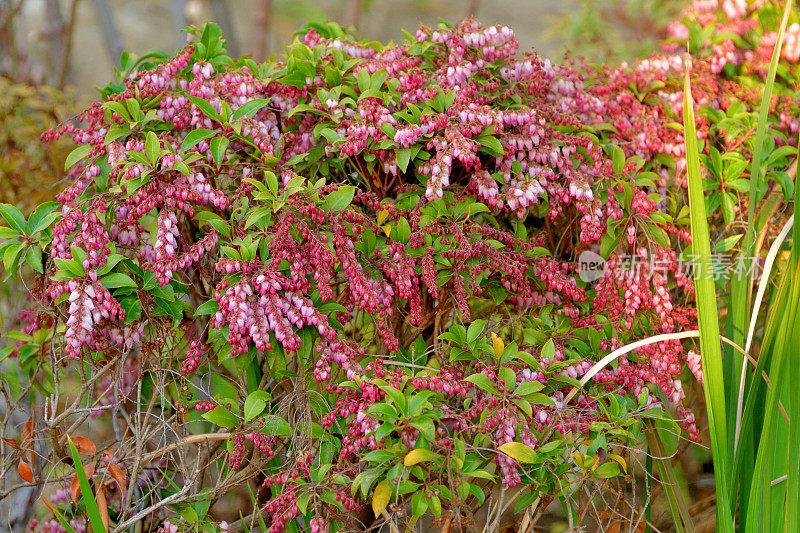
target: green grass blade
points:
(741, 285)
(86, 490)
(793, 468)
(649, 491)
(681, 518)
(751, 419)
(757, 187)
(707, 318)
(766, 513)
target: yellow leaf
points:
(381, 496)
(619, 460)
(498, 345)
(387, 229)
(382, 214)
(519, 451)
(578, 458)
(417, 456)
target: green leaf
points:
(436, 506)
(377, 79)
(13, 216)
(727, 243)
(537, 398)
(111, 262)
(250, 108)
(617, 160)
(301, 108)
(133, 309)
(60, 517)
(41, 218)
(524, 405)
(218, 147)
(491, 145)
(275, 425)
(204, 106)
(71, 267)
(152, 148)
(475, 330)
(34, 258)
(222, 417)
(190, 515)
(340, 198)
(255, 403)
(482, 382)
(116, 280)
(397, 397)
(548, 350)
(741, 185)
(362, 80)
(403, 157)
(194, 137)
(135, 108)
(507, 375)
(119, 109)
(419, 504)
(728, 205)
(11, 257)
(607, 470)
(8, 233)
(528, 387)
(402, 230)
(208, 308)
(76, 155)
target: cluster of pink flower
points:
(89, 304)
(78, 524)
(283, 506)
(194, 355)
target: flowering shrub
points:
(359, 269)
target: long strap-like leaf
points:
(707, 316)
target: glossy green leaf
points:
(13, 216)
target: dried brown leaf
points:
(102, 503)
(89, 469)
(75, 486)
(26, 440)
(25, 471)
(119, 476)
(75, 489)
(84, 445)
